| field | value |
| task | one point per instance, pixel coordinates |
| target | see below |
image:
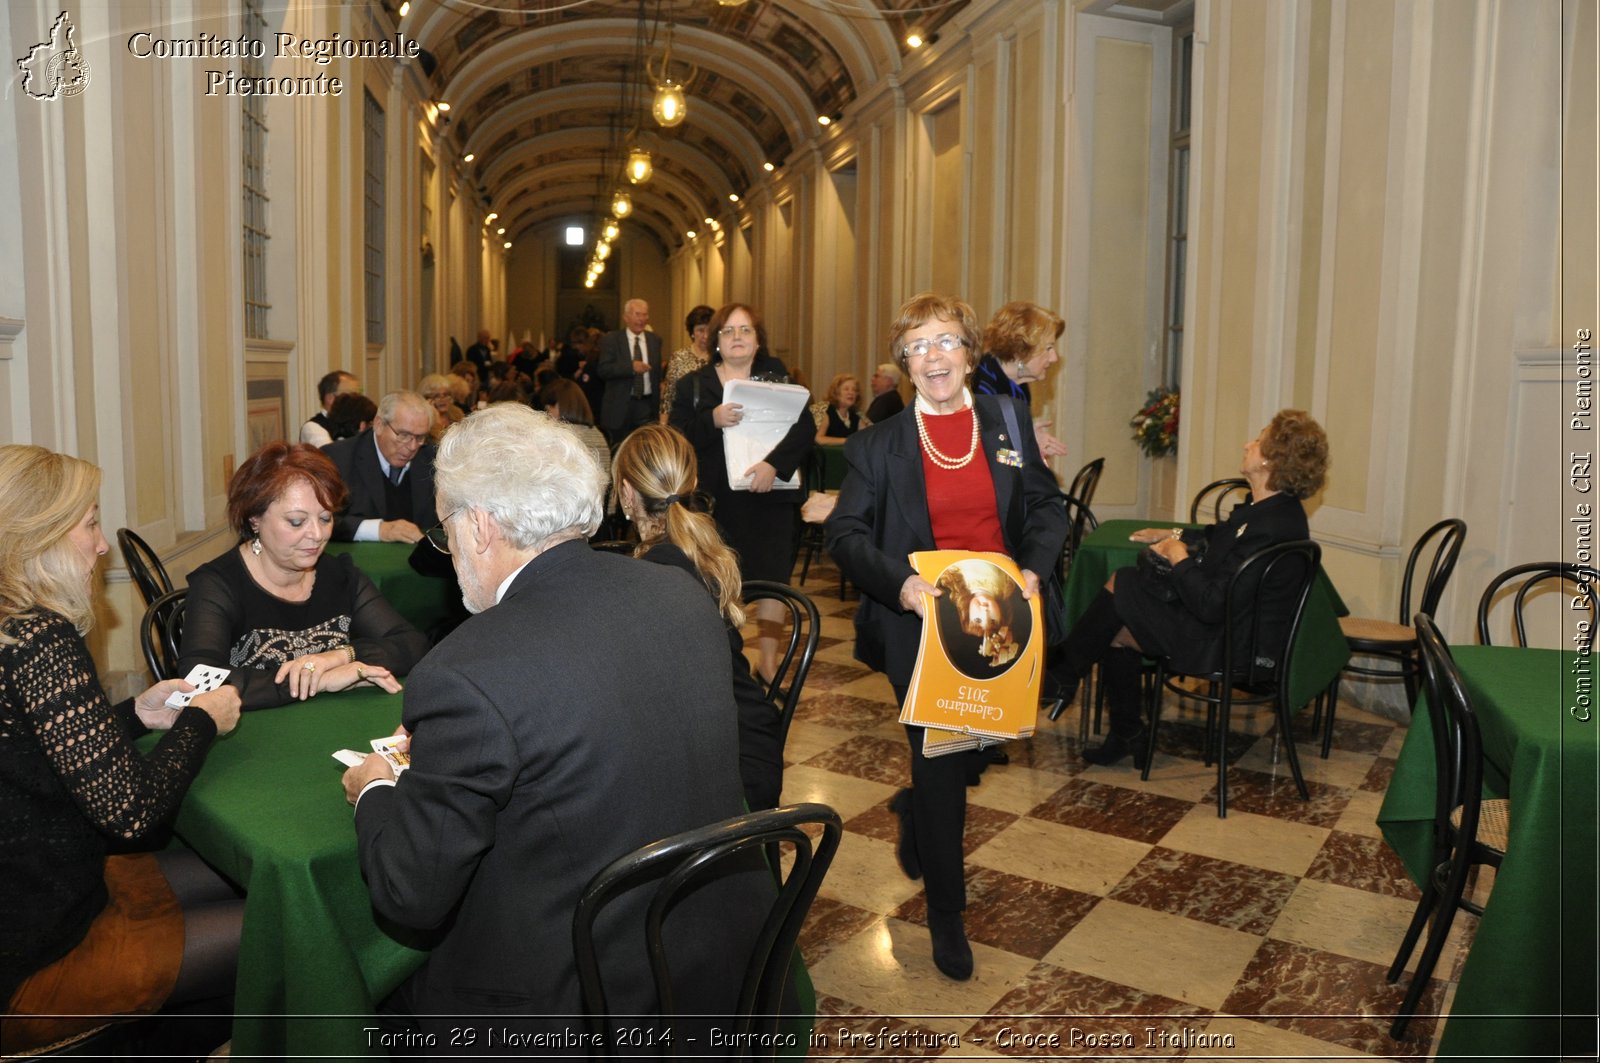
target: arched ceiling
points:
(545, 92)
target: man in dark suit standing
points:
(388, 470)
(531, 769)
(630, 364)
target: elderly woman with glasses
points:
(955, 472)
(758, 522)
(286, 619)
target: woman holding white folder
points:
(759, 521)
(955, 472)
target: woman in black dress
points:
(656, 474)
(1180, 615)
(758, 521)
(841, 419)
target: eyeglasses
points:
(438, 536)
(730, 331)
(945, 341)
(415, 439)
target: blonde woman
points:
(655, 472)
(840, 419)
(87, 933)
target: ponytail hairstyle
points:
(661, 467)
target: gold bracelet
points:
(350, 649)
(1177, 533)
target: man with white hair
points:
(630, 364)
(389, 472)
(535, 762)
(886, 388)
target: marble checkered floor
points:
(1103, 907)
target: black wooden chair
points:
(1279, 575)
(1085, 482)
(1394, 642)
(161, 634)
(1467, 829)
(1080, 522)
(146, 569)
(673, 867)
(1582, 578)
(805, 629)
(1216, 494)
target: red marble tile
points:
(1056, 1013)
(1047, 751)
(1362, 863)
(1141, 817)
(1330, 997)
(1356, 736)
(1182, 738)
(982, 824)
(829, 924)
(1276, 795)
(846, 1031)
(1209, 890)
(845, 711)
(868, 757)
(1019, 915)
(826, 675)
(1378, 776)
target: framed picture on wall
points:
(265, 412)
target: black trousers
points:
(939, 819)
(1088, 644)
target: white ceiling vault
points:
(544, 92)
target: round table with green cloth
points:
(1320, 652)
(423, 600)
(1534, 955)
(268, 811)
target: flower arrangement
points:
(1155, 426)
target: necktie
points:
(395, 472)
(638, 356)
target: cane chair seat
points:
(1369, 629)
(1494, 823)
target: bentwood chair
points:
(671, 870)
(146, 569)
(1394, 642)
(1265, 600)
(1583, 588)
(1468, 830)
(805, 630)
(1214, 496)
(1085, 482)
(161, 634)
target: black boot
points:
(1119, 671)
(951, 952)
(1087, 643)
(906, 847)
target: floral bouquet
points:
(1155, 426)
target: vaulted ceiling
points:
(544, 94)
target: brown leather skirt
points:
(126, 964)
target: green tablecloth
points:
(833, 465)
(267, 810)
(1535, 953)
(423, 600)
(1321, 651)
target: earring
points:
(255, 545)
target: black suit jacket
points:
(357, 461)
(1189, 630)
(882, 515)
(614, 365)
(532, 768)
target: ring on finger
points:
(361, 674)
(310, 666)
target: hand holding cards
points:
(395, 749)
(204, 678)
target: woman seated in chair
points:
(287, 620)
(655, 475)
(1174, 607)
(86, 934)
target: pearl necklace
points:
(944, 461)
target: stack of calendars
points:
(981, 660)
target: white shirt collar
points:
(505, 584)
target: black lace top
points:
(70, 782)
(231, 621)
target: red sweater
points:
(961, 502)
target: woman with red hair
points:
(287, 620)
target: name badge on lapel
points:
(1008, 457)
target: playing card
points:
(205, 678)
(390, 748)
(349, 757)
